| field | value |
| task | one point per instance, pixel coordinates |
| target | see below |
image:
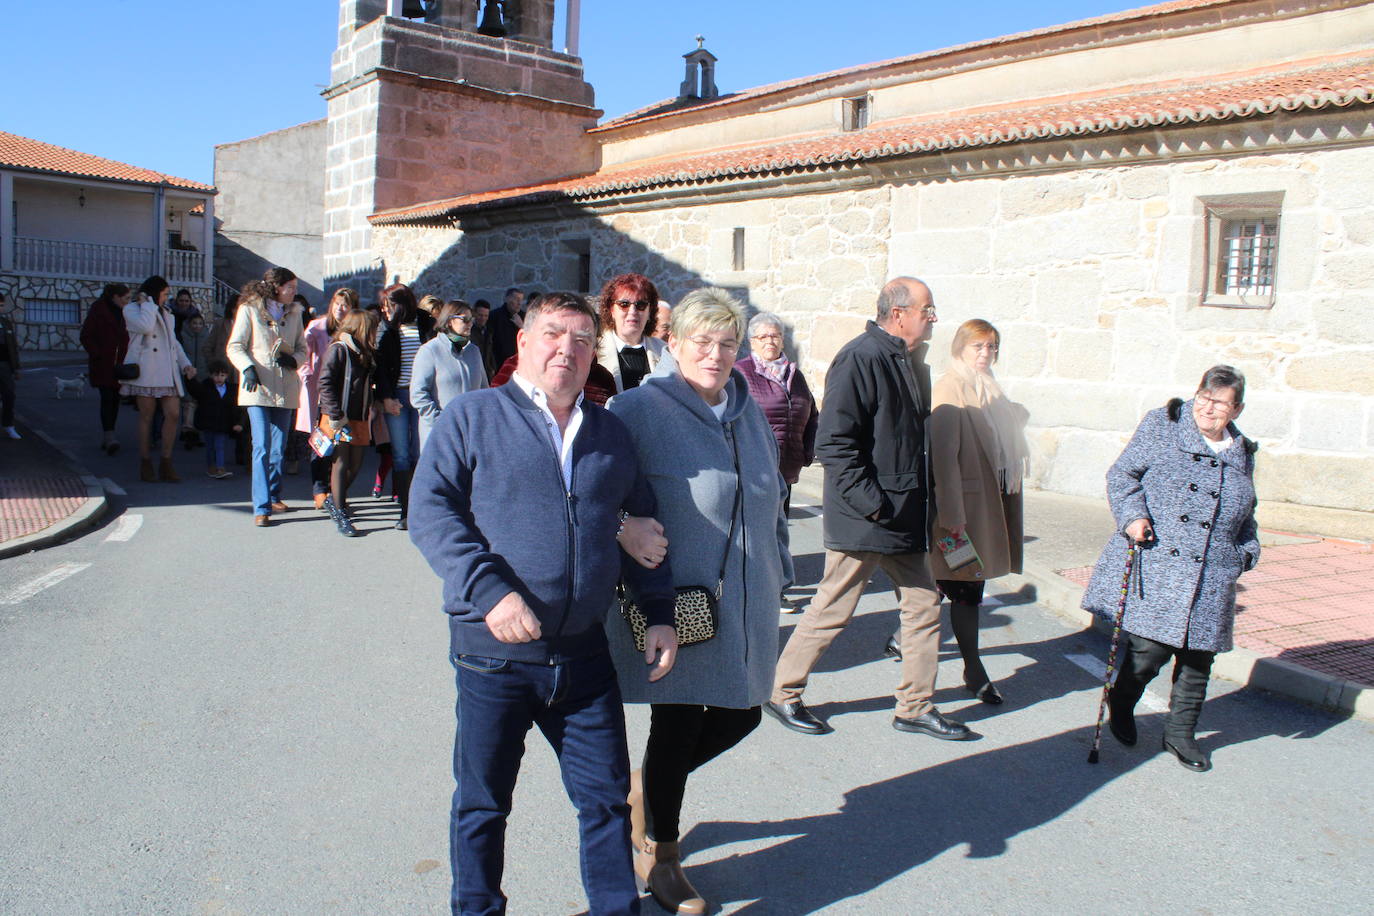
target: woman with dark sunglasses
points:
(629, 303)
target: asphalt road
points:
(198, 716)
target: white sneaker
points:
(11, 432)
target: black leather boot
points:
(1140, 662)
(1185, 705)
(401, 481)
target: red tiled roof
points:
(1349, 81)
(1100, 24)
(24, 153)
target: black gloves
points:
(250, 379)
(286, 360)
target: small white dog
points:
(75, 385)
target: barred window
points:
(1246, 263)
(1241, 250)
(52, 311)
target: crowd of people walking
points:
(604, 489)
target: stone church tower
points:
(423, 109)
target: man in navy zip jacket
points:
(517, 504)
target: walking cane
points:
(1111, 656)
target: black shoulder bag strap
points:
(734, 509)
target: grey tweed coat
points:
(686, 454)
(1202, 508)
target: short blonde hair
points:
(707, 309)
(972, 331)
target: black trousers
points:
(682, 738)
(1192, 667)
(109, 407)
(6, 394)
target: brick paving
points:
(30, 504)
(1306, 603)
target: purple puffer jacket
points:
(791, 412)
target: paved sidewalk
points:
(45, 497)
(1304, 626)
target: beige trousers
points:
(843, 582)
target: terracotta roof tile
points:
(25, 153)
(669, 107)
(1315, 86)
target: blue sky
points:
(158, 83)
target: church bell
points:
(492, 23)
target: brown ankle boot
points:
(146, 472)
(667, 881)
(167, 473)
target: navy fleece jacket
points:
(489, 512)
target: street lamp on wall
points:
(81, 197)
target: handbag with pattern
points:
(696, 609)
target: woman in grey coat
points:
(1183, 491)
(446, 366)
(694, 424)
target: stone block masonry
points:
(1094, 277)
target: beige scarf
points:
(1000, 423)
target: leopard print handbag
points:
(696, 615)
(696, 609)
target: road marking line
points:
(47, 580)
(112, 487)
(1098, 669)
(124, 528)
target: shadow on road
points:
(985, 800)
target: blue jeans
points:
(269, 426)
(215, 446)
(577, 706)
(404, 431)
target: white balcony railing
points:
(80, 259)
(105, 262)
(184, 266)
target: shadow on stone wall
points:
(570, 254)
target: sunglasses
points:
(639, 305)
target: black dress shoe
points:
(936, 725)
(797, 717)
(1121, 722)
(987, 693)
(1188, 753)
(893, 649)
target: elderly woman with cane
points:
(1183, 495)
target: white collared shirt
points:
(561, 440)
(620, 344)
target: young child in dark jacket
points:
(217, 416)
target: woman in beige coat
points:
(162, 363)
(978, 458)
(266, 346)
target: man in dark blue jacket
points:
(520, 497)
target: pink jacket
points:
(316, 345)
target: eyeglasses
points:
(1214, 404)
(639, 305)
(465, 319)
(985, 347)
(767, 337)
(704, 346)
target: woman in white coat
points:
(162, 364)
(266, 346)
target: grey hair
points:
(765, 320)
(707, 309)
(895, 295)
(1218, 377)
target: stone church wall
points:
(1093, 276)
